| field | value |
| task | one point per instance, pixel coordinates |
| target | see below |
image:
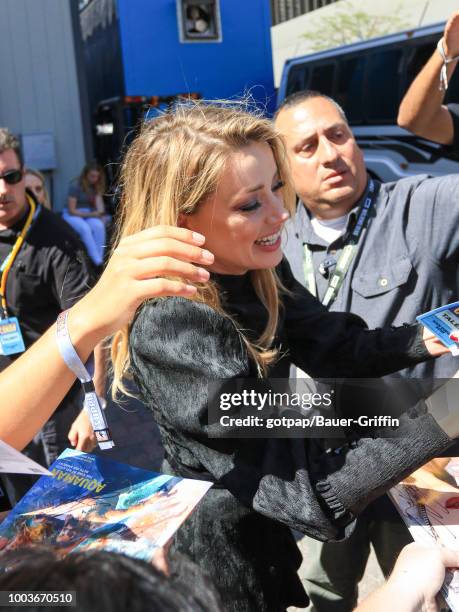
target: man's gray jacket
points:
(406, 262)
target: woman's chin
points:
(268, 260)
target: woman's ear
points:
(183, 221)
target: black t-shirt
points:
(50, 273)
(454, 112)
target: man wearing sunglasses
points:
(10, 197)
(43, 270)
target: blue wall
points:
(157, 63)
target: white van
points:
(369, 79)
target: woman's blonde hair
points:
(172, 166)
(41, 178)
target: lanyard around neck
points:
(7, 264)
(347, 254)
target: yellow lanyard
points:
(13, 253)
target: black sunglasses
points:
(12, 177)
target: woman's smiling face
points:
(243, 219)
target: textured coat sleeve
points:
(353, 476)
(177, 348)
(339, 344)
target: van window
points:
(452, 93)
(297, 79)
(417, 58)
(350, 86)
(383, 86)
(322, 79)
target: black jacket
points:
(238, 533)
(50, 273)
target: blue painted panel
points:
(157, 63)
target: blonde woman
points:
(222, 172)
(86, 211)
(35, 182)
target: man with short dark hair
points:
(43, 270)
(386, 252)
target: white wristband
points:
(446, 61)
(91, 401)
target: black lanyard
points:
(347, 254)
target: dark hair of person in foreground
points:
(108, 581)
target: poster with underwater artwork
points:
(428, 501)
(90, 502)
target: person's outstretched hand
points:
(451, 36)
(433, 344)
(141, 267)
(420, 572)
(81, 434)
(415, 581)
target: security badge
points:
(11, 341)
